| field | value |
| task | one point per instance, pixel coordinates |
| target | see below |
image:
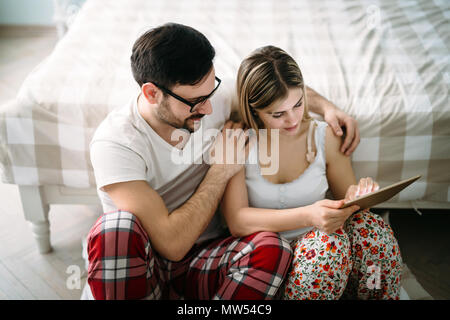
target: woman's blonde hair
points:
(263, 78)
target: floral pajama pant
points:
(360, 261)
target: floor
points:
(425, 246)
(26, 274)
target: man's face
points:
(177, 114)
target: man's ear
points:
(149, 90)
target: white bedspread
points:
(384, 62)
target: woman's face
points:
(285, 114)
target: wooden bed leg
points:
(36, 212)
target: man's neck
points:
(163, 129)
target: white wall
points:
(26, 12)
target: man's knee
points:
(114, 231)
(117, 245)
(271, 252)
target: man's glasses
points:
(192, 104)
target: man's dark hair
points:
(171, 54)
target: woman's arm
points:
(340, 175)
(335, 118)
(243, 220)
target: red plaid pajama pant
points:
(122, 265)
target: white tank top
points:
(308, 188)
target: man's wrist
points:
(219, 172)
(328, 106)
(222, 172)
(317, 103)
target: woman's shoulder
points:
(321, 125)
(321, 130)
(332, 143)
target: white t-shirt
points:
(125, 148)
(309, 187)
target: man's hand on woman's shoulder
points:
(336, 119)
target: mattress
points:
(386, 63)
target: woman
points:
(338, 253)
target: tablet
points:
(371, 199)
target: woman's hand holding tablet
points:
(375, 196)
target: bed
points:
(385, 63)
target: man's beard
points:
(166, 115)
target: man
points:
(160, 236)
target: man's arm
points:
(171, 235)
(336, 119)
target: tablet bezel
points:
(372, 199)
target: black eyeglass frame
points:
(190, 104)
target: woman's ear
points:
(149, 91)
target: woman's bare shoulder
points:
(332, 145)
